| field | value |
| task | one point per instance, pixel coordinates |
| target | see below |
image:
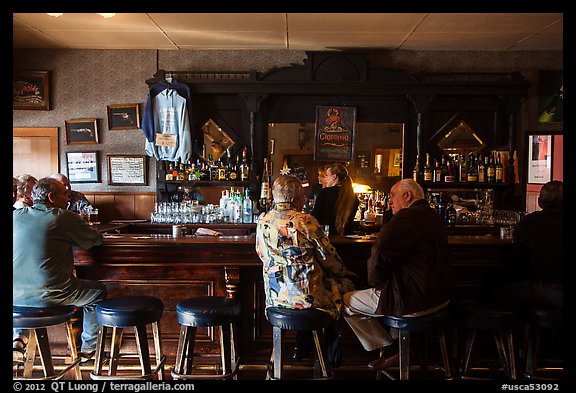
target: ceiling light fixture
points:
(55, 15)
(109, 15)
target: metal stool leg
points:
(444, 350)
(277, 340)
(320, 352)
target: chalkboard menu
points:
(127, 170)
(335, 129)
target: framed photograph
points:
(30, 90)
(540, 158)
(124, 117)
(127, 170)
(81, 131)
(83, 167)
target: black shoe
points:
(18, 350)
(86, 357)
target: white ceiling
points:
(293, 31)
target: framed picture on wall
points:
(127, 170)
(30, 90)
(124, 117)
(81, 131)
(540, 149)
(83, 167)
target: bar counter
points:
(173, 269)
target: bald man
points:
(78, 201)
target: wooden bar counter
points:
(133, 260)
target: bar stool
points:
(205, 311)
(501, 321)
(304, 320)
(129, 311)
(437, 321)
(538, 321)
(35, 320)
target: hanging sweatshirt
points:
(169, 117)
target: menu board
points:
(127, 170)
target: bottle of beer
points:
(265, 191)
(244, 166)
(427, 169)
(499, 169)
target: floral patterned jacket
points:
(301, 268)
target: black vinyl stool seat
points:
(207, 311)
(501, 321)
(35, 320)
(436, 321)
(129, 311)
(302, 320)
(538, 320)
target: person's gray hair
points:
(410, 185)
(285, 188)
(43, 187)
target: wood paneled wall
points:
(123, 205)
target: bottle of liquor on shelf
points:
(491, 171)
(416, 170)
(499, 168)
(449, 174)
(203, 171)
(427, 169)
(462, 175)
(265, 191)
(247, 207)
(175, 172)
(222, 170)
(212, 168)
(181, 172)
(437, 174)
(170, 171)
(233, 170)
(481, 170)
(472, 170)
(451, 214)
(245, 166)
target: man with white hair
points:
(409, 272)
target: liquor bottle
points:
(203, 172)
(549, 112)
(222, 170)
(224, 206)
(247, 207)
(416, 170)
(472, 170)
(449, 175)
(462, 176)
(174, 172)
(481, 170)
(265, 191)
(182, 172)
(170, 171)
(437, 175)
(427, 169)
(233, 169)
(244, 166)
(491, 171)
(499, 168)
(212, 169)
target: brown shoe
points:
(382, 363)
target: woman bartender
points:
(336, 203)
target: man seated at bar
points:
(409, 272)
(77, 200)
(301, 269)
(42, 261)
(539, 251)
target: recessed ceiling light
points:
(110, 15)
(55, 15)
